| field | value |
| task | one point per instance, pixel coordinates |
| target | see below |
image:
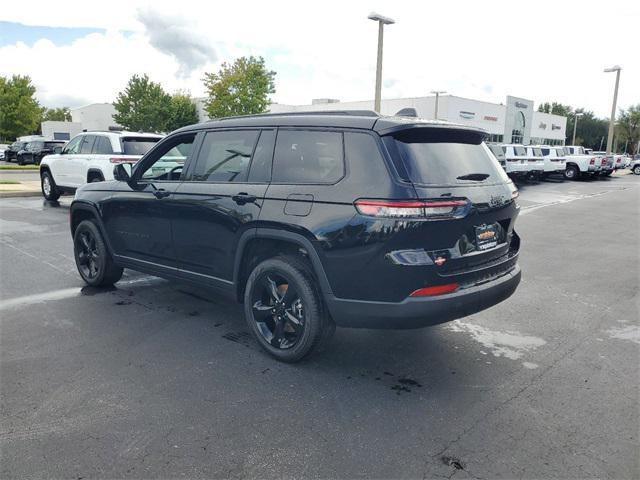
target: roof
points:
(361, 119)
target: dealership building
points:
(515, 121)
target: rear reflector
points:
(437, 209)
(437, 290)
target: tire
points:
(48, 186)
(94, 262)
(636, 170)
(571, 173)
(20, 160)
(289, 326)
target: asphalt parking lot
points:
(156, 379)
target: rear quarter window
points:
(308, 157)
(137, 145)
(447, 157)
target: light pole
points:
(575, 124)
(382, 21)
(612, 121)
(437, 94)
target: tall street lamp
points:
(437, 94)
(612, 120)
(575, 124)
(382, 21)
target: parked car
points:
(3, 147)
(313, 220)
(554, 159)
(634, 165)
(34, 151)
(579, 163)
(11, 153)
(536, 160)
(90, 157)
(520, 164)
(607, 165)
(499, 154)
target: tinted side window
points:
(74, 145)
(87, 144)
(260, 171)
(102, 146)
(225, 156)
(170, 159)
(308, 157)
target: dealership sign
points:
(489, 118)
(542, 125)
(521, 105)
(555, 127)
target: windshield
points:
(138, 145)
(497, 151)
(520, 151)
(448, 157)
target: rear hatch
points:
(473, 239)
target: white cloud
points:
(542, 50)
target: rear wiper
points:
(474, 176)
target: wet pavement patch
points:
(243, 338)
(453, 462)
(91, 291)
(405, 385)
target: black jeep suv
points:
(34, 151)
(312, 220)
(11, 153)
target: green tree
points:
(628, 128)
(19, 110)
(56, 114)
(183, 111)
(143, 105)
(242, 88)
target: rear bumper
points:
(424, 311)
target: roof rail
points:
(354, 113)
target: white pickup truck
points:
(579, 163)
(554, 159)
(519, 164)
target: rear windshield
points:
(497, 151)
(537, 152)
(447, 157)
(137, 145)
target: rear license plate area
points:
(486, 236)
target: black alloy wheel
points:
(89, 261)
(284, 309)
(94, 262)
(278, 311)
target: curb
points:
(36, 193)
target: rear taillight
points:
(122, 160)
(437, 290)
(604, 161)
(432, 209)
(592, 162)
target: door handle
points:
(243, 197)
(161, 193)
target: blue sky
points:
(13, 32)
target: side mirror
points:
(57, 150)
(122, 172)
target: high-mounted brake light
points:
(436, 209)
(437, 290)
